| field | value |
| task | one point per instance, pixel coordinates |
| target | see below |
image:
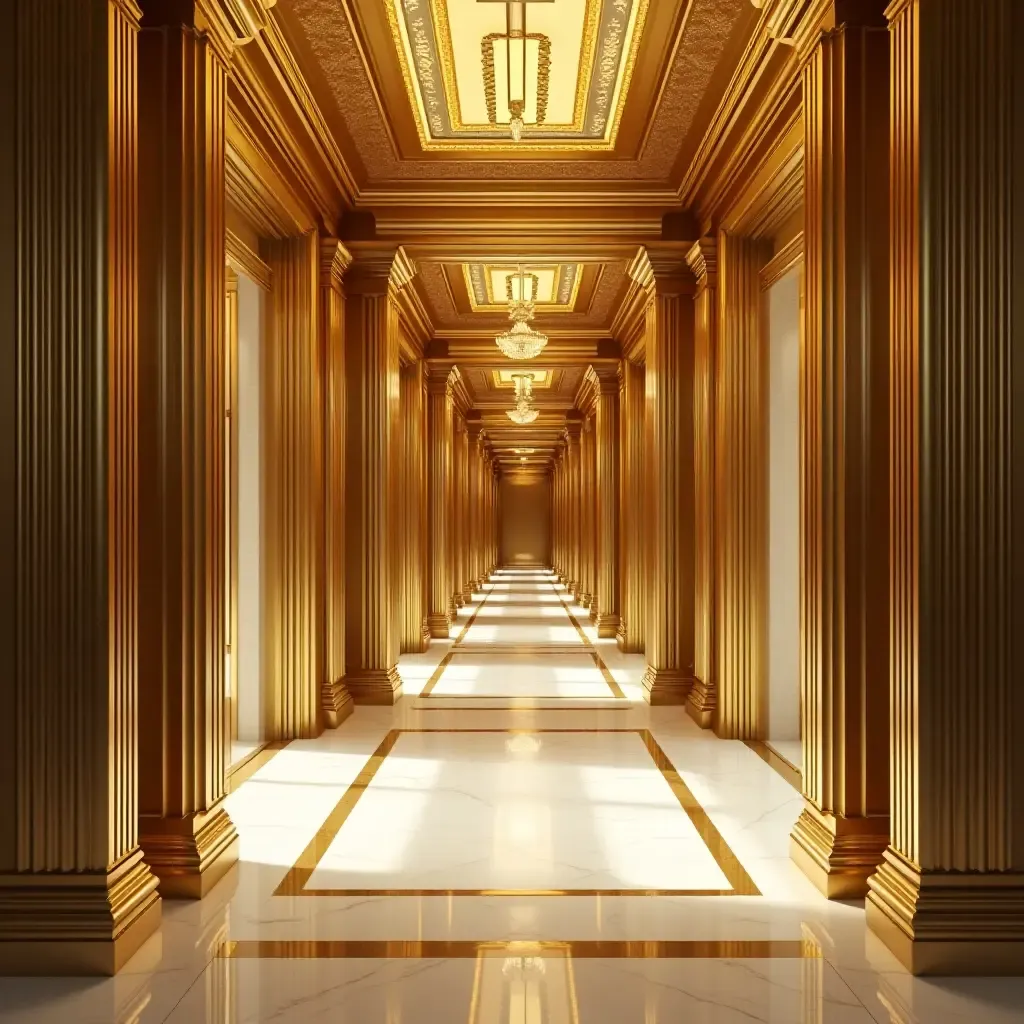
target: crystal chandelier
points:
(524, 412)
(522, 341)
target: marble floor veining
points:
(520, 840)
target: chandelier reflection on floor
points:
(524, 412)
(522, 341)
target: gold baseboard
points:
(336, 703)
(838, 854)
(607, 626)
(666, 686)
(376, 686)
(948, 923)
(77, 924)
(701, 703)
(189, 855)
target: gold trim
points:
(442, 949)
(525, 707)
(780, 764)
(294, 881)
(446, 660)
(788, 258)
(492, 305)
(244, 261)
(252, 763)
(598, 660)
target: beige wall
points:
(524, 511)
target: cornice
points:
(243, 260)
(661, 269)
(379, 269)
(587, 392)
(335, 259)
(702, 259)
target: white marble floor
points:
(521, 840)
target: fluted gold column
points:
(479, 512)
(949, 895)
(844, 628)
(75, 894)
(668, 454)
(703, 262)
(588, 513)
(632, 511)
(372, 349)
(456, 536)
(469, 511)
(740, 498)
(606, 430)
(335, 701)
(293, 569)
(440, 433)
(573, 432)
(186, 834)
(411, 508)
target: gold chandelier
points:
(524, 412)
(521, 341)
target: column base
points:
(189, 855)
(948, 923)
(607, 626)
(701, 703)
(584, 599)
(594, 613)
(458, 600)
(467, 594)
(79, 924)
(425, 633)
(375, 686)
(336, 703)
(625, 643)
(838, 854)
(453, 612)
(439, 626)
(666, 686)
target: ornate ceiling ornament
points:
(522, 341)
(524, 412)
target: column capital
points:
(702, 259)
(475, 430)
(573, 428)
(441, 376)
(379, 269)
(335, 259)
(228, 24)
(607, 378)
(662, 270)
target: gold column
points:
(588, 508)
(606, 423)
(702, 260)
(372, 340)
(573, 432)
(632, 512)
(844, 629)
(440, 435)
(75, 894)
(456, 536)
(669, 459)
(293, 570)
(949, 895)
(186, 834)
(478, 458)
(411, 507)
(740, 498)
(468, 444)
(335, 701)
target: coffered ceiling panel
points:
(553, 287)
(467, 63)
(406, 84)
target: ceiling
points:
(617, 97)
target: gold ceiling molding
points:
(244, 261)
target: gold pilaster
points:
(573, 460)
(606, 430)
(458, 505)
(844, 629)
(411, 509)
(703, 262)
(949, 895)
(292, 491)
(372, 340)
(75, 894)
(668, 454)
(335, 701)
(588, 513)
(187, 837)
(740, 492)
(632, 511)
(466, 447)
(440, 432)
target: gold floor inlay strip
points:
(446, 660)
(295, 881)
(520, 707)
(441, 949)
